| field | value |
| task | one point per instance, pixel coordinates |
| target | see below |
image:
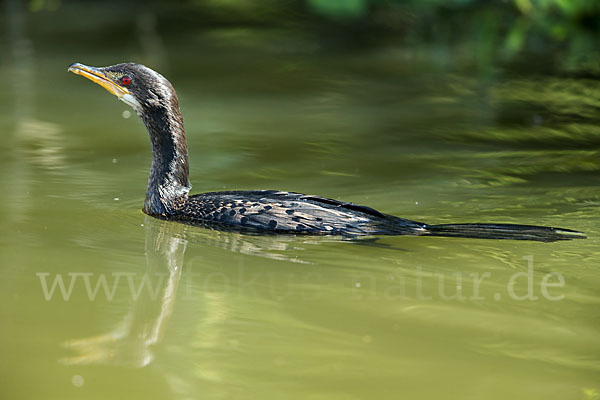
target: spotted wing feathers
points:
(275, 211)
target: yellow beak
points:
(97, 76)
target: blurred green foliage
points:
(495, 31)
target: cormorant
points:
(263, 211)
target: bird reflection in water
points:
(130, 342)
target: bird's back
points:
(284, 212)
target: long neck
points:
(168, 184)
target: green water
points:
(232, 316)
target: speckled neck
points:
(168, 184)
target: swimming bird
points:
(259, 211)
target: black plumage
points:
(285, 212)
(265, 211)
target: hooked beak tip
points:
(98, 76)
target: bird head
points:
(137, 85)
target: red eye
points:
(126, 80)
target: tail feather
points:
(503, 231)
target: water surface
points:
(225, 315)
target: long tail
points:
(503, 231)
